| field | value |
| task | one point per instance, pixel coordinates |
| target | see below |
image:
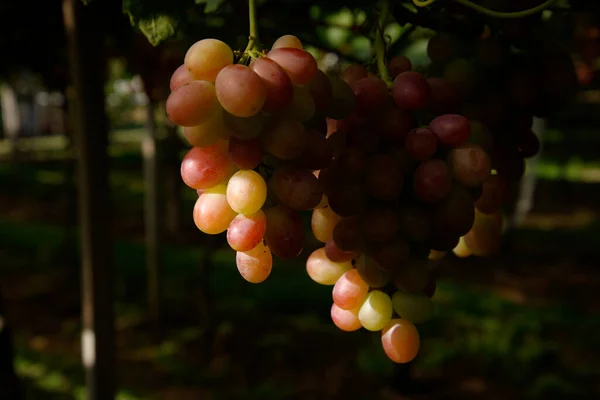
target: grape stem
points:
(492, 13)
(252, 49)
(380, 46)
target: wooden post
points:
(88, 68)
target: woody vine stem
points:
(380, 45)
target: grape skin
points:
(246, 232)
(324, 271)
(400, 340)
(346, 320)
(255, 265)
(206, 167)
(323, 222)
(277, 84)
(246, 192)
(180, 77)
(299, 65)
(287, 41)
(240, 90)
(212, 213)
(192, 104)
(205, 58)
(350, 290)
(376, 311)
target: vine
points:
(492, 13)
(380, 45)
(252, 50)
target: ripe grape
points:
(324, 271)
(277, 84)
(245, 232)
(414, 222)
(481, 136)
(455, 214)
(470, 164)
(285, 138)
(416, 308)
(192, 104)
(432, 180)
(346, 320)
(205, 167)
(462, 250)
(384, 177)
(285, 234)
(246, 192)
(398, 65)
(371, 94)
(445, 98)
(180, 77)
(296, 188)
(317, 153)
(255, 265)
(451, 129)
(212, 213)
(411, 91)
(400, 340)
(245, 128)
(348, 198)
(350, 290)
(343, 100)
(394, 124)
(353, 73)
(245, 154)
(321, 90)
(484, 237)
(376, 311)
(412, 277)
(323, 223)
(421, 144)
(336, 254)
(391, 255)
(371, 273)
(299, 65)
(209, 132)
(380, 224)
(492, 195)
(302, 108)
(347, 234)
(287, 41)
(240, 90)
(205, 58)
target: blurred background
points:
(521, 324)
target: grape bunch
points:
(500, 82)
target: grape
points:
(255, 265)
(336, 254)
(441, 48)
(205, 167)
(470, 164)
(400, 340)
(435, 255)
(298, 64)
(529, 144)
(371, 94)
(460, 74)
(353, 73)
(321, 90)
(285, 234)
(246, 192)
(416, 308)
(192, 104)
(180, 77)
(414, 223)
(347, 234)
(398, 65)
(285, 138)
(451, 129)
(421, 144)
(371, 273)
(209, 132)
(245, 154)
(484, 238)
(246, 231)
(346, 320)
(412, 277)
(445, 98)
(456, 213)
(296, 188)
(348, 199)
(350, 290)
(490, 52)
(287, 41)
(317, 153)
(481, 135)
(343, 99)
(323, 223)
(350, 164)
(245, 127)
(509, 163)
(394, 124)
(322, 270)
(430, 288)
(205, 58)
(277, 83)
(376, 311)
(380, 224)
(302, 107)
(432, 180)
(384, 177)
(391, 255)
(212, 213)
(240, 90)
(462, 250)
(411, 91)
(493, 194)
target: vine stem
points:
(253, 37)
(380, 47)
(492, 13)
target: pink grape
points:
(410, 91)
(205, 58)
(321, 90)
(371, 94)
(245, 154)
(432, 180)
(285, 138)
(391, 255)
(317, 153)
(255, 265)
(212, 213)
(299, 65)
(296, 188)
(240, 90)
(336, 254)
(209, 132)
(285, 234)
(246, 231)
(421, 144)
(470, 164)
(346, 320)
(192, 104)
(287, 41)
(353, 73)
(180, 77)
(384, 177)
(277, 83)
(350, 290)
(398, 65)
(451, 129)
(324, 271)
(400, 340)
(323, 223)
(205, 167)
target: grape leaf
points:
(211, 5)
(157, 28)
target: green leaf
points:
(157, 28)
(211, 5)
